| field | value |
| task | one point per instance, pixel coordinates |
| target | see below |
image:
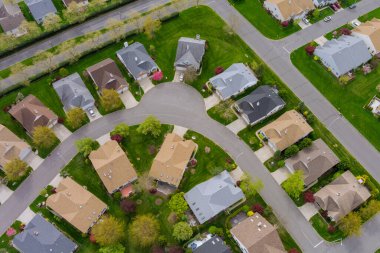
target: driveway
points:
(281, 175)
(33, 160)
(104, 138)
(96, 116)
(26, 216)
(61, 132)
(321, 40)
(211, 101)
(146, 84)
(264, 153)
(180, 130)
(237, 125)
(128, 99)
(308, 210)
(5, 193)
(176, 76)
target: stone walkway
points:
(281, 175)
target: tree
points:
(257, 208)
(63, 72)
(308, 196)
(182, 231)
(110, 100)
(178, 204)
(215, 230)
(151, 126)
(144, 230)
(121, 129)
(76, 117)
(74, 12)
(305, 143)
(117, 248)
(128, 206)
(96, 5)
(291, 151)
(31, 29)
(70, 47)
(157, 249)
(250, 188)
(368, 211)
(19, 69)
(15, 169)
(116, 28)
(108, 231)
(44, 137)
(316, 13)
(294, 185)
(175, 249)
(345, 31)
(310, 49)
(350, 224)
(86, 146)
(190, 75)
(46, 60)
(150, 26)
(52, 22)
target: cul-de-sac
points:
(189, 126)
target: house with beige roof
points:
(342, 196)
(370, 32)
(30, 112)
(285, 131)
(76, 205)
(314, 161)
(256, 235)
(113, 166)
(171, 161)
(285, 10)
(11, 146)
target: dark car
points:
(352, 6)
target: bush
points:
(219, 70)
(215, 231)
(306, 142)
(117, 196)
(257, 208)
(343, 165)
(331, 229)
(157, 249)
(175, 249)
(293, 251)
(277, 155)
(245, 208)
(291, 151)
(310, 49)
(280, 163)
(308, 196)
(128, 206)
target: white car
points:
(306, 21)
(327, 19)
(355, 23)
(91, 112)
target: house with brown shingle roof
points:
(30, 112)
(284, 10)
(76, 205)
(11, 18)
(171, 161)
(285, 131)
(370, 32)
(341, 196)
(256, 235)
(113, 166)
(314, 161)
(11, 146)
(107, 75)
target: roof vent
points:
(136, 59)
(126, 44)
(198, 36)
(35, 233)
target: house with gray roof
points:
(73, 93)
(213, 196)
(40, 236)
(11, 18)
(233, 81)
(40, 9)
(213, 245)
(343, 54)
(260, 104)
(137, 60)
(322, 3)
(190, 53)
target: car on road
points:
(306, 21)
(91, 112)
(327, 19)
(352, 6)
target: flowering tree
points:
(285, 23)
(257, 208)
(308, 196)
(157, 76)
(345, 31)
(310, 49)
(219, 70)
(117, 137)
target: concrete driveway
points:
(281, 175)
(180, 130)
(308, 210)
(146, 84)
(321, 40)
(237, 125)
(211, 101)
(26, 216)
(55, 182)
(128, 99)
(33, 160)
(176, 76)
(264, 153)
(5, 193)
(61, 132)
(104, 138)
(96, 112)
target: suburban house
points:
(374, 105)
(256, 235)
(30, 112)
(40, 9)
(170, 163)
(285, 10)
(323, 3)
(341, 196)
(79, 2)
(113, 166)
(76, 205)
(73, 93)
(285, 131)
(233, 81)
(344, 54)
(213, 196)
(40, 236)
(314, 161)
(11, 18)
(11, 146)
(214, 244)
(260, 104)
(107, 75)
(369, 32)
(189, 53)
(137, 60)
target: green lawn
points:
(323, 13)
(25, 11)
(370, 15)
(6, 242)
(349, 99)
(347, 3)
(226, 118)
(256, 14)
(321, 226)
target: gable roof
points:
(233, 80)
(11, 146)
(342, 195)
(40, 8)
(76, 205)
(314, 161)
(113, 166)
(346, 53)
(11, 16)
(257, 235)
(289, 128)
(370, 28)
(30, 112)
(190, 52)
(171, 161)
(137, 60)
(213, 196)
(40, 236)
(73, 92)
(106, 75)
(290, 8)
(213, 245)
(259, 103)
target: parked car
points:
(355, 23)
(337, 5)
(327, 19)
(306, 21)
(352, 6)
(91, 112)
(334, 7)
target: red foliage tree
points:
(293, 251)
(175, 249)
(331, 229)
(117, 137)
(128, 205)
(153, 190)
(92, 238)
(285, 23)
(157, 249)
(157, 76)
(324, 213)
(308, 196)
(61, 120)
(257, 208)
(219, 70)
(310, 49)
(345, 31)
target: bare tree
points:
(116, 28)
(151, 26)
(71, 49)
(52, 22)
(135, 19)
(46, 60)
(94, 39)
(19, 71)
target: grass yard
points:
(25, 11)
(370, 15)
(226, 117)
(256, 14)
(321, 226)
(349, 99)
(327, 11)
(6, 242)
